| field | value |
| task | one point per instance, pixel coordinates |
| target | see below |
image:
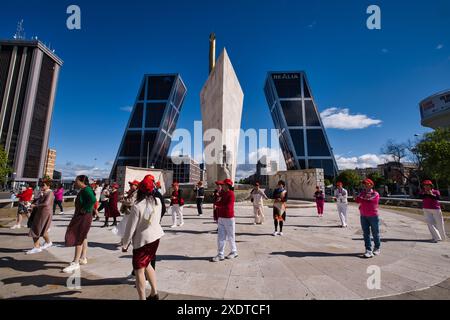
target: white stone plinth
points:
(300, 184)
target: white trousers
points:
(259, 214)
(177, 210)
(342, 210)
(435, 223)
(227, 228)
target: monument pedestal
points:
(300, 184)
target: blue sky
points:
(379, 74)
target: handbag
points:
(31, 218)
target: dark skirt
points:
(112, 212)
(78, 229)
(144, 255)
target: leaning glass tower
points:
(153, 120)
(303, 139)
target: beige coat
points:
(143, 225)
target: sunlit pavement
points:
(314, 259)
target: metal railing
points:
(405, 202)
(9, 203)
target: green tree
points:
(435, 153)
(5, 169)
(349, 178)
(377, 178)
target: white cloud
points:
(336, 118)
(71, 170)
(439, 46)
(364, 161)
(245, 170)
(312, 25)
(271, 154)
(127, 108)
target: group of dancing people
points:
(143, 208)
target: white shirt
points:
(341, 195)
(258, 196)
(98, 193)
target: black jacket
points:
(199, 192)
(158, 195)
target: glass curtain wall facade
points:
(153, 120)
(303, 139)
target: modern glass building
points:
(303, 139)
(185, 169)
(435, 110)
(154, 117)
(28, 79)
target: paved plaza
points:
(315, 259)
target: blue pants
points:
(371, 224)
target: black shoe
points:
(114, 224)
(155, 297)
(104, 226)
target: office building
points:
(302, 137)
(153, 120)
(50, 163)
(28, 79)
(185, 169)
(435, 110)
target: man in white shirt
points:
(341, 197)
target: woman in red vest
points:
(111, 211)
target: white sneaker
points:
(72, 267)
(232, 255)
(280, 233)
(275, 234)
(218, 258)
(368, 254)
(173, 226)
(181, 224)
(83, 261)
(34, 250)
(46, 245)
(376, 252)
(16, 226)
(61, 213)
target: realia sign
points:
(285, 76)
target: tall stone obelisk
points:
(221, 104)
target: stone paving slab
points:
(315, 259)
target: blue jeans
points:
(371, 224)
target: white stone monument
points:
(221, 105)
(300, 184)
